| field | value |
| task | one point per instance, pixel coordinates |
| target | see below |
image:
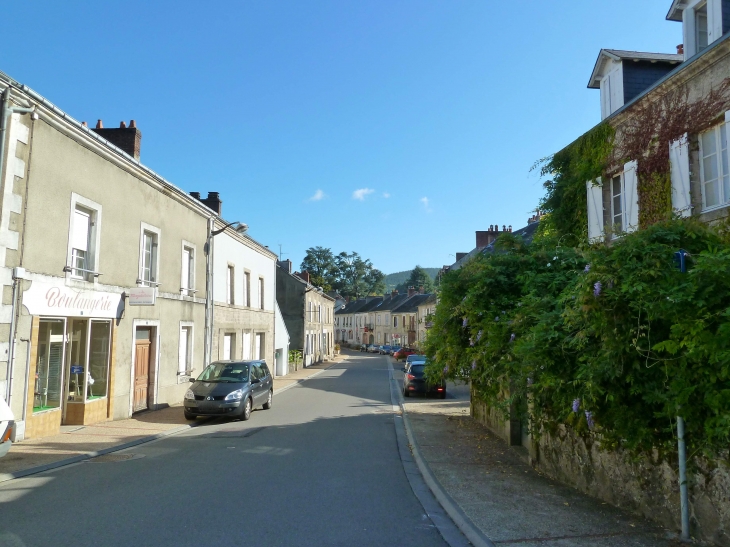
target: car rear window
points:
(417, 369)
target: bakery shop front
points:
(71, 372)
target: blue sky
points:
(394, 128)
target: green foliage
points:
(565, 201)
(348, 273)
(630, 337)
(417, 278)
(393, 280)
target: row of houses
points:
(118, 286)
(395, 319)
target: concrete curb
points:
(4, 477)
(456, 513)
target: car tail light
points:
(8, 433)
(440, 389)
(410, 376)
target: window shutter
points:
(714, 20)
(688, 30)
(617, 89)
(631, 198)
(679, 162)
(185, 269)
(605, 98)
(183, 354)
(80, 236)
(594, 190)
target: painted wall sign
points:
(45, 298)
(142, 296)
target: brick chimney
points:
(285, 264)
(305, 276)
(126, 138)
(394, 293)
(213, 201)
(459, 256)
(420, 289)
(411, 291)
(485, 237)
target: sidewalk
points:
(77, 443)
(504, 497)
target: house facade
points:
(308, 314)
(244, 297)
(102, 261)
(698, 162)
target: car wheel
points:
(189, 416)
(442, 395)
(247, 410)
(269, 401)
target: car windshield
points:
(418, 368)
(224, 372)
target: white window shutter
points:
(679, 163)
(185, 269)
(617, 89)
(605, 98)
(688, 30)
(594, 190)
(183, 350)
(80, 236)
(714, 20)
(631, 198)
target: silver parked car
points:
(230, 388)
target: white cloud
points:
(386, 195)
(426, 204)
(362, 193)
(318, 195)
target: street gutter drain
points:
(110, 458)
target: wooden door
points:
(141, 374)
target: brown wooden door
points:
(141, 374)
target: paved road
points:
(320, 468)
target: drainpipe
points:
(683, 497)
(27, 377)
(5, 112)
(208, 294)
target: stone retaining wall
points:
(647, 486)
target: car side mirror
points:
(191, 380)
(254, 380)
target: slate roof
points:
(527, 233)
(624, 55)
(352, 307)
(411, 305)
(390, 302)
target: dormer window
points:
(703, 23)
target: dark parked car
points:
(230, 388)
(363, 347)
(385, 350)
(415, 382)
(372, 348)
(415, 357)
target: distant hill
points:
(395, 279)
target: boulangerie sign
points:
(56, 299)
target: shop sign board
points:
(142, 296)
(77, 369)
(44, 298)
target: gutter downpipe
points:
(683, 497)
(5, 112)
(208, 294)
(27, 378)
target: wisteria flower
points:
(474, 365)
(529, 380)
(576, 405)
(496, 318)
(597, 286)
(446, 370)
(479, 336)
(471, 342)
(589, 419)
(465, 322)
(555, 258)
(587, 268)
(512, 338)
(549, 264)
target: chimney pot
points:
(122, 125)
(99, 124)
(132, 124)
(504, 228)
(680, 49)
(510, 228)
(196, 195)
(85, 124)
(394, 293)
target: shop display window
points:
(88, 360)
(49, 365)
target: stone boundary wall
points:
(647, 486)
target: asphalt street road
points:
(321, 467)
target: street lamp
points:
(240, 229)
